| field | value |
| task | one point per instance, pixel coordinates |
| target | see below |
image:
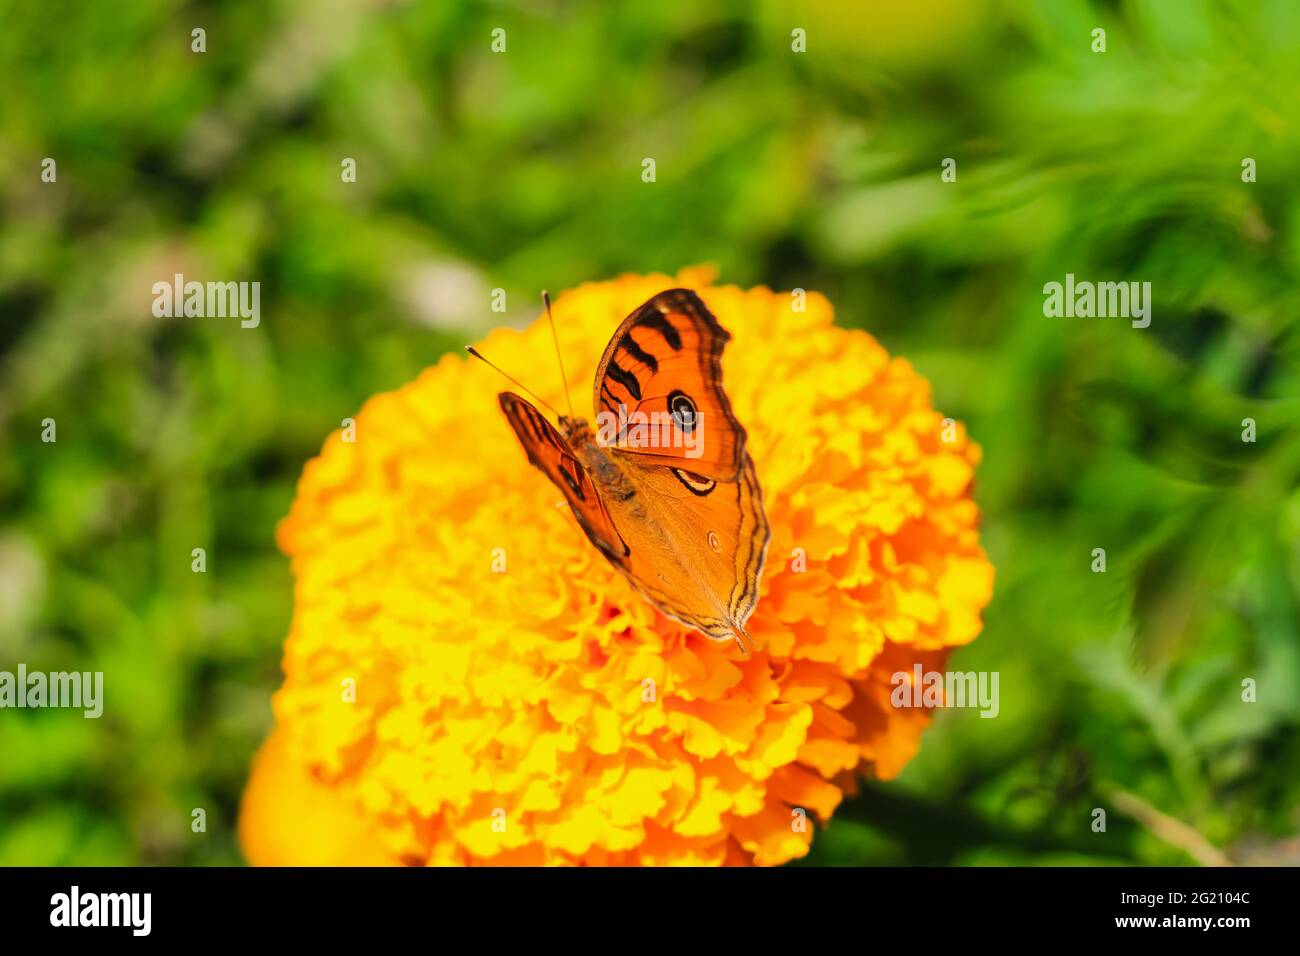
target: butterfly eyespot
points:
(714, 541)
(683, 411)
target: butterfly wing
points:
(665, 360)
(703, 563)
(549, 453)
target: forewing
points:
(662, 371)
(550, 454)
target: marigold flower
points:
(545, 713)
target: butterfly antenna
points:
(541, 401)
(555, 337)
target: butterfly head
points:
(576, 431)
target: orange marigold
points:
(548, 714)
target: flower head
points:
(469, 682)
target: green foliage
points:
(521, 170)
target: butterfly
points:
(665, 489)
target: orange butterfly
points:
(666, 491)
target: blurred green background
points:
(522, 171)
